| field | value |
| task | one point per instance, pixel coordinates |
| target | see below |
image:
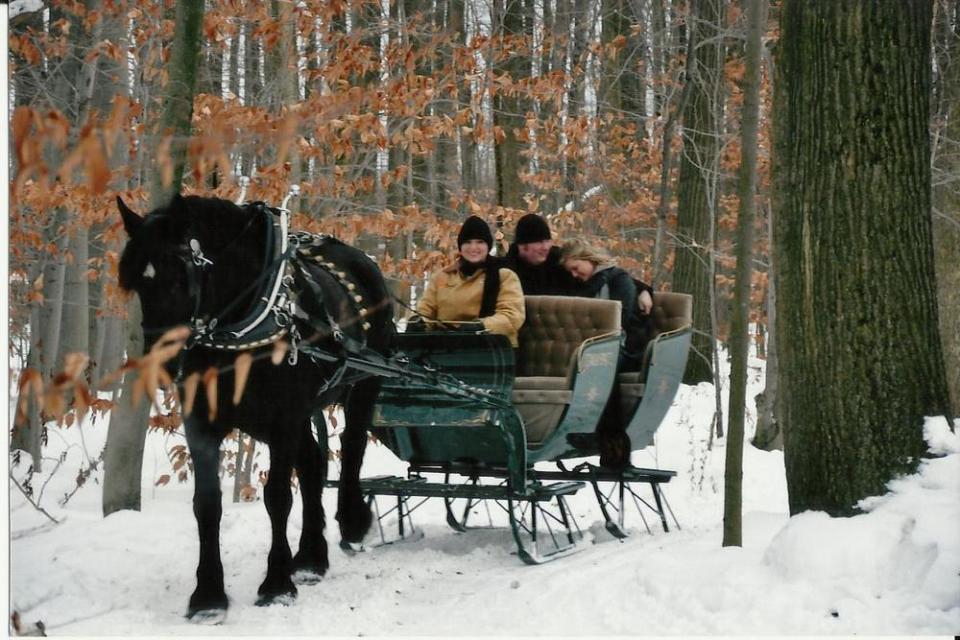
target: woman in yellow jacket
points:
(475, 291)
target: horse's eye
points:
(149, 272)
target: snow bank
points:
(891, 570)
(906, 544)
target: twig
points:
(30, 500)
(82, 478)
(23, 533)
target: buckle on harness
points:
(197, 254)
(294, 355)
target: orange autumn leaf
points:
(279, 349)
(210, 386)
(241, 373)
(190, 392)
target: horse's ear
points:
(131, 219)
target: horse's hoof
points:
(352, 548)
(207, 606)
(310, 566)
(278, 590)
(207, 617)
(307, 576)
(354, 522)
(283, 599)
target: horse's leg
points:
(209, 601)
(311, 561)
(278, 499)
(353, 513)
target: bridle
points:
(206, 330)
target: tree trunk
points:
(123, 455)
(578, 13)
(739, 330)
(51, 312)
(861, 360)
(622, 83)
(769, 435)
(123, 458)
(509, 109)
(469, 170)
(697, 189)
(946, 194)
(673, 106)
(27, 437)
(177, 108)
(75, 331)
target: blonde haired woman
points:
(602, 278)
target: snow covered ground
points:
(892, 570)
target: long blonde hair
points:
(580, 250)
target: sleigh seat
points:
(555, 353)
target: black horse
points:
(240, 282)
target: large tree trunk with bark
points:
(697, 189)
(861, 361)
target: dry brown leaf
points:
(31, 382)
(137, 391)
(210, 386)
(20, 125)
(169, 344)
(190, 392)
(279, 350)
(241, 373)
(53, 403)
(74, 365)
(82, 399)
(98, 172)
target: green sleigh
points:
(481, 445)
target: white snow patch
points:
(891, 570)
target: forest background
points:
(619, 120)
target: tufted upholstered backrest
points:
(555, 328)
(671, 311)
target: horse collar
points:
(267, 319)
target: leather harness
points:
(286, 285)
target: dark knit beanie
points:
(531, 228)
(475, 228)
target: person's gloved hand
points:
(470, 327)
(416, 324)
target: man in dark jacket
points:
(536, 261)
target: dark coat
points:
(547, 279)
(613, 283)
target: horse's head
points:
(157, 263)
(192, 259)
